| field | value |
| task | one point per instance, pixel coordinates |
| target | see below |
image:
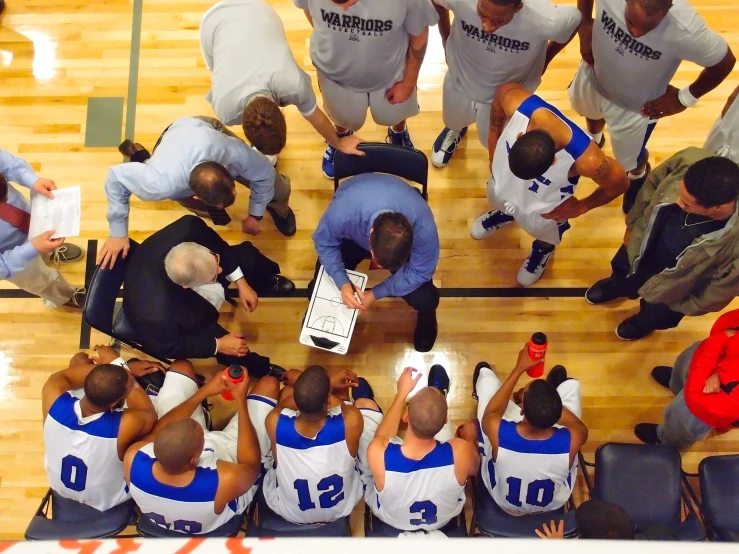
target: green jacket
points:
(706, 277)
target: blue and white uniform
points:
(82, 454)
(316, 479)
(189, 509)
(527, 200)
(418, 494)
(531, 476)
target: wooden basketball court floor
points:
(76, 76)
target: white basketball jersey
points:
(190, 509)
(531, 476)
(418, 494)
(316, 479)
(82, 454)
(543, 194)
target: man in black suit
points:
(175, 283)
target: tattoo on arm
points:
(603, 168)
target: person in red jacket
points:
(705, 380)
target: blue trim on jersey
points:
(510, 439)
(580, 139)
(442, 455)
(650, 127)
(286, 435)
(105, 427)
(264, 399)
(202, 488)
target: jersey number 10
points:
(538, 493)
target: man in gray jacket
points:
(681, 245)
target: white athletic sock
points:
(597, 137)
(635, 176)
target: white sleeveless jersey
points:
(531, 476)
(316, 479)
(543, 194)
(190, 509)
(82, 454)
(418, 494)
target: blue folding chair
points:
(375, 527)
(264, 522)
(379, 157)
(719, 486)
(70, 519)
(491, 521)
(644, 480)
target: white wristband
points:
(686, 97)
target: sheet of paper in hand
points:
(328, 323)
(61, 213)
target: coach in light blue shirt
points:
(381, 217)
(168, 175)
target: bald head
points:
(178, 444)
(427, 412)
(213, 184)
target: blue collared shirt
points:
(165, 176)
(15, 250)
(350, 216)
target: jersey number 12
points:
(331, 488)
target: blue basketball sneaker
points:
(535, 264)
(445, 145)
(439, 378)
(327, 164)
(488, 223)
(402, 138)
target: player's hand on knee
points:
(586, 41)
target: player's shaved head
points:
(312, 390)
(654, 7)
(532, 154)
(542, 405)
(213, 184)
(597, 519)
(106, 385)
(642, 16)
(177, 444)
(427, 412)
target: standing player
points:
(368, 54)
(492, 42)
(86, 437)
(631, 51)
(723, 139)
(315, 438)
(537, 160)
(254, 74)
(416, 484)
(529, 451)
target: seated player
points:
(529, 452)
(315, 438)
(193, 481)
(416, 484)
(537, 157)
(86, 436)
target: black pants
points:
(259, 272)
(655, 316)
(425, 299)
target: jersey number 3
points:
(331, 488)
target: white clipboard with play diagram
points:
(328, 323)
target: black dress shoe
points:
(634, 188)
(557, 375)
(634, 328)
(277, 372)
(284, 224)
(476, 374)
(129, 149)
(647, 433)
(603, 291)
(279, 285)
(425, 334)
(662, 374)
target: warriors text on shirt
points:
(494, 41)
(356, 25)
(625, 41)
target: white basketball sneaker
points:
(534, 265)
(271, 157)
(488, 223)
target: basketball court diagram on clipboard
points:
(329, 324)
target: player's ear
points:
(405, 418)
(555, 161)
(519, 135)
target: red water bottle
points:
(537, 351)
(235, 374)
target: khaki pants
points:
(282, 182)
(46, 282)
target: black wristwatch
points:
(257, 217)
